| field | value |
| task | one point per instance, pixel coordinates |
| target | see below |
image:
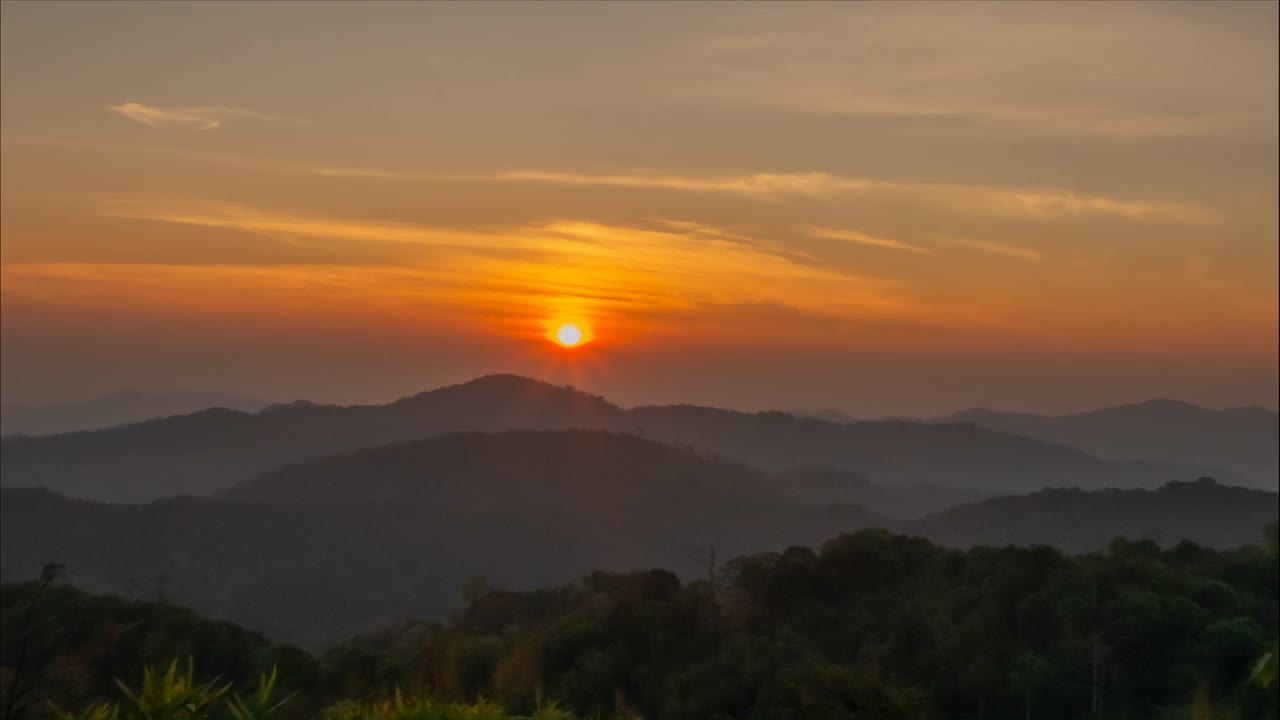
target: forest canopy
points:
(869, 625)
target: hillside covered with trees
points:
(870, 625)
(339, 545)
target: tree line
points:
(869, 625)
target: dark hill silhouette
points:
(129, 406)
(1242, 440)
(544, 471)
(821, 486)
(1201, 511)
(575, 473)
(897, 453)
(214, 449)
(344, 543)
(828, 414)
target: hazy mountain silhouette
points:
(1201, 511)
(822, 486)
(464, 471)
(1242, 440)
(344, 543)
(129, 406)
(213, 449)
(828, 414)
(572, 472)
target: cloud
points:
(1013, 251)
(1017, 203)
(1119, 71)
(559, 263)
(1034, 203)
(203, 117)
(861, 238)
(758, 184)
(985, 200)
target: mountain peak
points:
(510, 380)
(497, 384)
(1163, 404)
(830, 415)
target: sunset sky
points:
(884, 208)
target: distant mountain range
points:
(212, 450)
(1242, 440)
(119, 408)
(1202, 512)
(344, 543)
(821, 486)
(463, 472)
(828, 414)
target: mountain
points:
(571, 473)
(828, 414)
(824, 485)
(359, 540)
(213, 449)
(1201, 511)
(119, 408)
(1242, 440)
(345, 543)
(897, 453)
(543, 471)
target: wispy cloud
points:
(1021, 203)
(1013, 251)
(201, 117)
(967, 68)
(666, 266)
(759, 185)
(862, 238)
(985, 200)
(1036, 203)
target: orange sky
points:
(886, 208)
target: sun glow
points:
(569, 335)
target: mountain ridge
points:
(337, 560)
(213, 449)
(117, 408)
(1239, 439)
(345, 542)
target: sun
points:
(568, 335)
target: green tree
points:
(1030, 672)
(28, 669)
(981, 678)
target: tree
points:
(473, 589)
(53, 571)
(25, 678)
(1030, 672)
(981, 678)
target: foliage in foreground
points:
(401, 707)
(174, 695)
